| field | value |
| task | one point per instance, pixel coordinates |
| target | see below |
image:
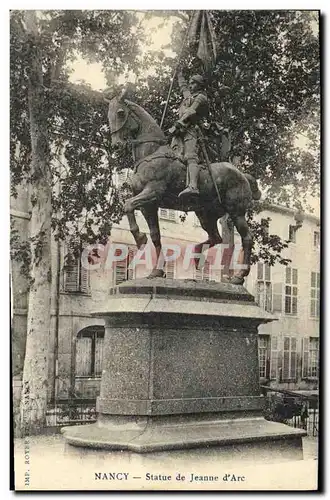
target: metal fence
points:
(71, 412)
(288, 407)
(293, 408)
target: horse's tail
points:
(256, 193)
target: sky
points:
(92, 73)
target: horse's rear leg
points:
(247, 243)
(210, 224)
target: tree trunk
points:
(35, 373)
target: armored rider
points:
(193, 109)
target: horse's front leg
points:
(150, 214)
(146, 202)
(133, 203)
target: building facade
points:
(288, 347)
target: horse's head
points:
(122, 121)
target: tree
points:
(50, 120)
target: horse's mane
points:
(147, 122)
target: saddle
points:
(170, 155)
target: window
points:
(202, 274)
(316, 240)
(268, 356)
(168, 214)
(264, 355)
(310, 357)
(121, 267)
(291, 291)
(315, 295)
(289, 358)
(264, 287)
(292, 233)
(75, 275)
(170, 269)
(89, 352)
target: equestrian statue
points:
(174, 178)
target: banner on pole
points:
(201, 32)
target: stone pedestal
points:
(180, 370)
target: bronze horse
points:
(159, 176)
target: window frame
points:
(291, 351)
(264, 278)
(292, 237)
(306, 358)
(266, 357)
(316, 247)
(292, 284)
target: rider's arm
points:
(199, 102)
(183, 84)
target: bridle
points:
(130, 111)
(125, 121)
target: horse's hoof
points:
(236, 280)
(141, 240)
(156, 273)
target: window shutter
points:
(277, 297)
(206, 271)
(295, 276)
(172, 214)
(120, 269)
(71, 278)
(313, 280)
(260, 271)
(131, 272)
(170, 269)
(84, 279)
(293, 360)
(268, 297)
(273, 358)
(286, 358)
(267, 272)
(305, 355)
